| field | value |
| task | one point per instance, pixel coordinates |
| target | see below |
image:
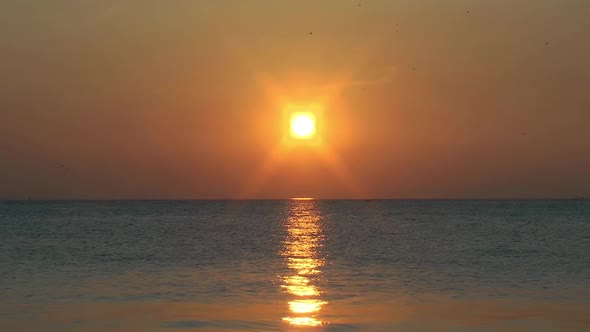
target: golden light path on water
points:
(301, 252)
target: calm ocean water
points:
(295, 265)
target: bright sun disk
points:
(302, 125)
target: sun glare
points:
(303, 125)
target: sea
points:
(295, 265)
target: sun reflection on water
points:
(301, 252)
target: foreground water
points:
(295, 265)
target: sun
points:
(303, 125)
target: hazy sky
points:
(183, 99)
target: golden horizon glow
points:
(302, 198)
(303, 125)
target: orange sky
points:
(184, 99)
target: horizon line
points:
(288, 199)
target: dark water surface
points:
(295, 265)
